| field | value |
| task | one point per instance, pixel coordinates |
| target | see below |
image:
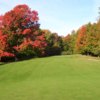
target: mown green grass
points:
(72, 77)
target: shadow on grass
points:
(26, 59)
(15, 61)
(1, 64)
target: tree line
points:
(86, 40)
(21, 37)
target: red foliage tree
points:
(19, 32)
(81, 39)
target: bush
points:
(66, 53)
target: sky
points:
(60, 16)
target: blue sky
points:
(61, 16)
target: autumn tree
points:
(69, 43)
(93, 39)
(20, 35)
(81, 39)
(54, 43)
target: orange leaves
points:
(26, 31)
(6, 54)
(20, 32)
(81, 38)
(37, 43)
(20, 16)
(41, 38)
(1, 18)
(23, 7)
(35, 16)
(67, 38)
(3, 41)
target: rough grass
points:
(72, 77)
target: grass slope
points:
(72, 77)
